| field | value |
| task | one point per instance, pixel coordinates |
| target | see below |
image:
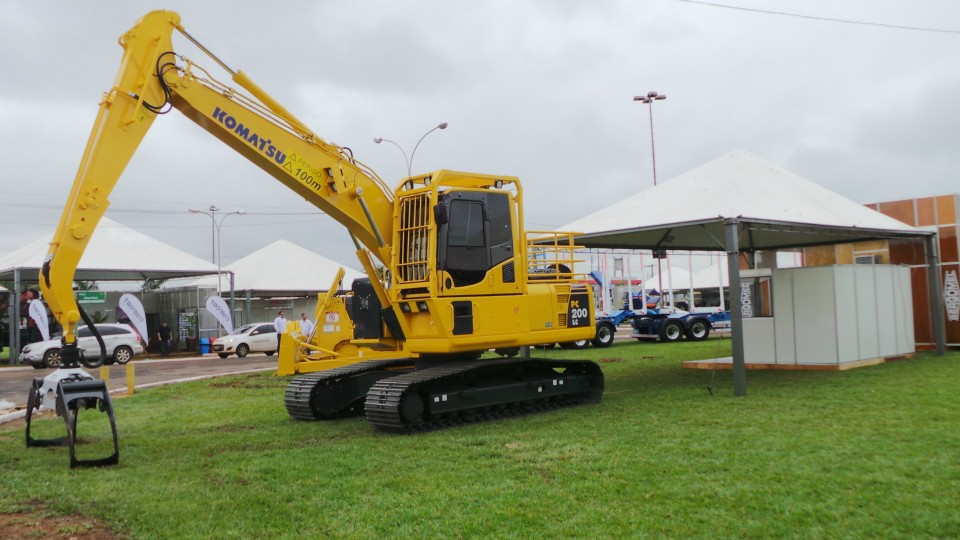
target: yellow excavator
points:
(451, 271)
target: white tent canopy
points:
(279, 269)
(737, 203)
(774, 209)
(115, 252)
(712, 277)
(676, 278)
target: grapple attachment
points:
(74, 389)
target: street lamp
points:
(409, 161)
(215, 235)
(649, 99)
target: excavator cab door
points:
(475, 235)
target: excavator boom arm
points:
(151, 80)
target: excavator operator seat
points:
(365, 310)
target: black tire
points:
(579, 344)
(223, 355)
(269, 353)
(698, 330)
(671, 332)
(51, 358)
(123, 354)
(243, 350)
(604, 338)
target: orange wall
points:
(932, 213)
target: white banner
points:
(951, 295)
(39, 315)
(746, 302)
(221, 311)
(131, 305)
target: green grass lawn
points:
(866, 453)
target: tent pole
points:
(723, 302)
(232, 298)
(15, 319)
(736, 317)
(10, 317)
(936, 297)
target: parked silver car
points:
(122, 343)
(255, 337)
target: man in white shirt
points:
(306, 326)
(280, 323)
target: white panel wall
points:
(784, 331)
(867, 323)
(815, 315)
(834, 314)
(759, 346)
(903, 310)
(886, 314)
(845, 293)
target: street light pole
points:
(409, 161)
(406, 160)
(649, 99)
(215, 235)
(211, 214)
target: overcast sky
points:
(538, 89)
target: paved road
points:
(15, 382)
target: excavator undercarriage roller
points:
(462, 392)
(339, 392)
(398, 398)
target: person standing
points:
(306, 326)
(164, 334)
(280, 323)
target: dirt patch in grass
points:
(44, 525)
(249, 382)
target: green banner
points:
(91, 297)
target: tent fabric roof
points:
(676, 278)
(712, 277)
(775, 208)
(116, 253)
(279, 269)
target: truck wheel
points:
(699, 330)
(672, 331)
(605, 331)
(579, 344)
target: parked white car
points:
(255, 337)
(122, 343)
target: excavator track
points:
(338, 392)
(457, 393)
